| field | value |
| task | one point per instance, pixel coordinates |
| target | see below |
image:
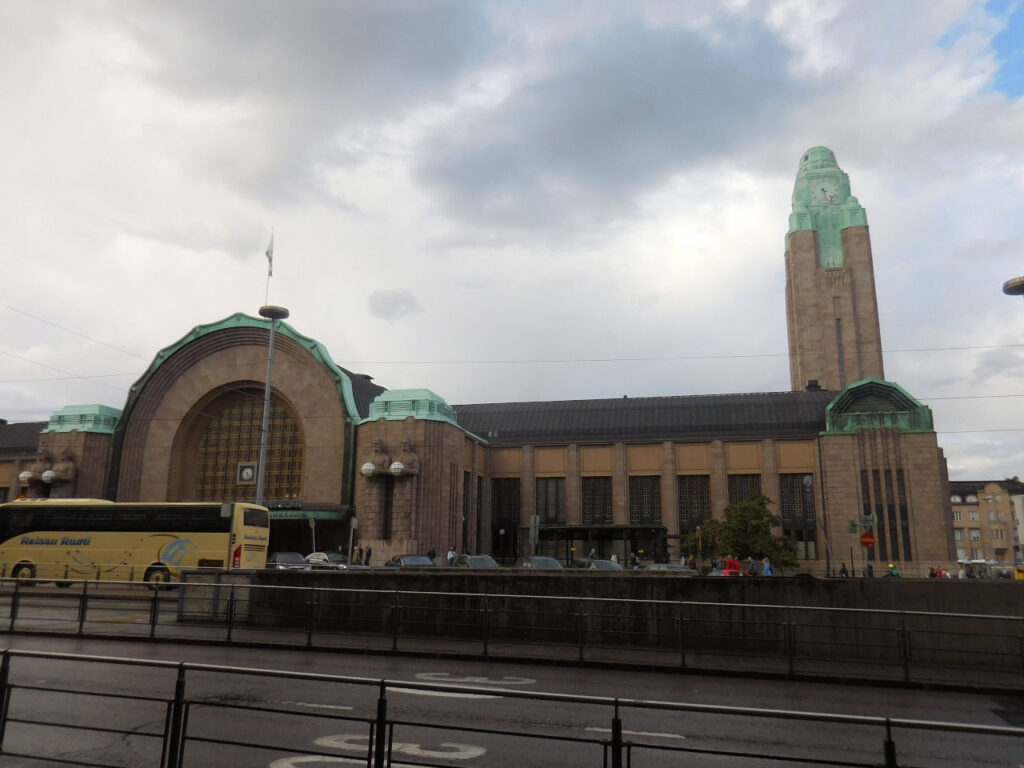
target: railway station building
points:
(843, 452)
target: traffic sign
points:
(867, 539)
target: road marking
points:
(446, 694)
(640, 733)
(317, 706)
(446, 677)
(359, 743)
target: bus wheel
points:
(157, 577)
(24, 573)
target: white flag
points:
(270, 257)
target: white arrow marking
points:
(445, 677)
(640, 733)
(447, 694)
(316, 706)
(358, 743)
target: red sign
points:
(867, 539)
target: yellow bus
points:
(64, 539)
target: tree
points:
(745, 531)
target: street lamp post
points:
(273, 314)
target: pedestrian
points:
(431, 553)
(593, 554)
(869, 571)
(451, 556)
(931, 573)
(766, 570)
(843, 573)
(961, 573)
(366, 556)
(751, 566)
(893, 573)
(939, 573)
(615, 558)
(357, 554)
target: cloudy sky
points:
(510, 200)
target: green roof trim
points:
(397, 404)
(822, 203)
(876, 404)
(342, 382)
(97, 419)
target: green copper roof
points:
(100, 419)
(418, 403)
(342, 382)
(822, 203)
(876, 404)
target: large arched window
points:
(232, 439)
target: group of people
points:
(359, 555)
(450, 557)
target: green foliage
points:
(745, 531)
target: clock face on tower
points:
(825, 191)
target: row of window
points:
(971, 498)
(996, 534)
(994, 515)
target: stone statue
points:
(410, 461)
(381, 461)
(37, 487)
(64, 473)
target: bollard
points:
(616, 738)
(174, 739)
(311, 615)
(231, 612)
(154, 612)
(581, 628)
(15, 599)
(396, 618)
(5, 695)
(682, 637)
(486, 622)
(890, 747)
(83, 607)
(380, 731)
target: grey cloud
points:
(392, 305)
(628, 109)
(309, 70)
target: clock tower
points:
(831, 309)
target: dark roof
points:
(1012, 486)
(363, 391)
(20, 440)
(681, 418)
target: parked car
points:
(287, 561)
(476, 561)
(676, 568)
(409, 561)
(604, 565)
(327, 560)
(540, 562)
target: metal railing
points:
(194, 715)
(963, 650)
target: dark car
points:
(540, 562)
(476, 561)
(409, 561)
(287, 561)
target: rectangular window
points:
(975, 534)
(976, 554)
(4, 494)
(865, 493)
(597, 500)
(876, 482)
(901, 498)
(645, 499)
(743, 487)
(796, 508)
(505, 500)
(997, 534)
(957, 515)
(972, 515)
(694, 501)
(551, 500)
(958, 534)
(961, 554)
